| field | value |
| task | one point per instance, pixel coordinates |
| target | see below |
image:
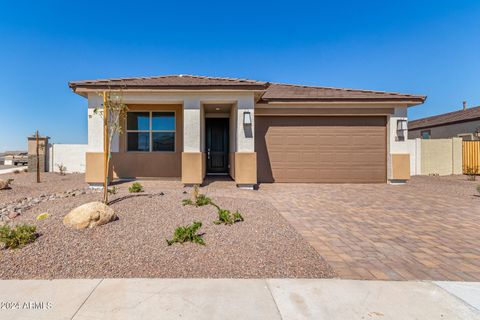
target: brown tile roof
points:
(290, 92)
(469, 114)
(271, 91)
(169, 82)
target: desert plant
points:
(226, 217)
(112, 190)
(18, 236)
(135, 188)
(61, 169)
(16, 171)
(471, 173)
(114, 112)
(25, 170)
(187, 234)
(198, 199)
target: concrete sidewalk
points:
(11, 169)
(237, 299)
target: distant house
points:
(464, 124)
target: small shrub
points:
(135, 188)
(17, 237)
(16, 171)
(113, 190)
(226, 217)
(187, 234)
(198, 199)
(472, 173)
(25, 170)
(61, 169)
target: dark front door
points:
(217, 145)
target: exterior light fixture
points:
(247, 118)
(401, 129)
(401, 125)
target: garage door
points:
(321, 149)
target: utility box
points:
(42, 153)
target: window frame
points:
(150, 131)
(429, 134)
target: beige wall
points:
(400, 166)
(448, 131)
(192, 167)
(441, 156)
(245, 168)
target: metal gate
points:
(471, 156)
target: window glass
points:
(163, 121)
(138, 121)
(138, 141)
(163, 141)
(426, 134)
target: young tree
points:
(113, 112)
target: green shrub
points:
(226, 217)
(17, 237)
(187, 234)
(113, 190)
(198, 199)
(135, 188)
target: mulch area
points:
(263, 246)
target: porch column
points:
(245, 155)
(192, 156)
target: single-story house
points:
(184, 126)
(464, 124)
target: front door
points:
(217, 145)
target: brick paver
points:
(428, 229)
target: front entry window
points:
(151, 131)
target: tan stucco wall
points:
(400, 166)
(441, 156)
(447, 131)
(94, 167)
(245, 167)
(192, 167)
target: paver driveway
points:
(426, 229)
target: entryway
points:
(217, 145)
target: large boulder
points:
(5, 184)
(89, 215)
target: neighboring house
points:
(192, 126)
(463, 123)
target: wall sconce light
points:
(401, 130)
(401, 125)
(247, 118)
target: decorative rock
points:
(5, 184)
(89, 215)
(13, 215)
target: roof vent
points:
(464, 105)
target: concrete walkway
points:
(237, 299)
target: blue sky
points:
(425, 47)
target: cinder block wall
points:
(441, 156)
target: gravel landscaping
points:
(263, 246)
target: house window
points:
(426, 134)
(151, 131)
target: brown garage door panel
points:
(321, 149)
